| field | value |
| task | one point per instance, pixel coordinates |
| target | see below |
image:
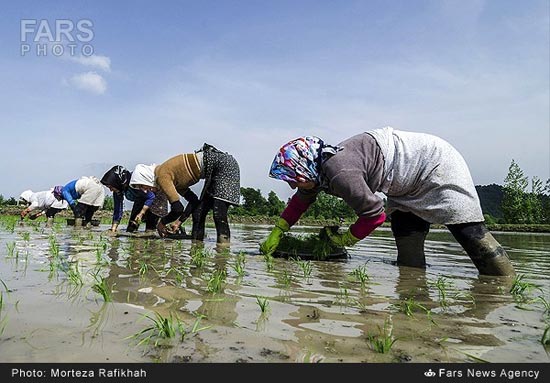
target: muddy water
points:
(317, 311)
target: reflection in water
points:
(318, 311)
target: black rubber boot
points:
(483, 249)
(410, 250)
(410, 233)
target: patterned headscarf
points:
(58, 192)
(117, 177)
(300, 159)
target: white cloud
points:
(89, 81)
(94, 61)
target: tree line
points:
(518, 201)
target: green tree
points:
(109, 203)
(254, 203)
(275, 205)
(534, 201)
(513, 201)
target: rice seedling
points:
(521, 289)
(11, 249)
(285, 278)
(343, 298)
(199, 256)
(312, 245)
(239, 265)
(143, 268)
(102, 287)
(74, 275)
(360, 275)
(545, 339)
(305, 266)
(216, 281)
(164, 328)
(26, 236)
(161, 328)
(384, 340)
(442, 285)
(545, 303)
(54, 246)
(269, 261)
(263, 302)
(409, 306)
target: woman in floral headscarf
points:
(425, 180)
(84, 196)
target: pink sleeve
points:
(294, 210)
(365, 225)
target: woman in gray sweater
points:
(425, 181)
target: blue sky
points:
(248, 76)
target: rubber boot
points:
(410, 249)
(78, 223)
(486, 253)
(49, 222)
(223, 238)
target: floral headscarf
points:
(299, 160)
(58, 192)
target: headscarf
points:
(118, 177)
(143, 175)
(58, 192)
(26, 196)
(300, 159)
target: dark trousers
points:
(486, 253)
(84, 211)
(52, 211)
(149, 218)
(219, 209)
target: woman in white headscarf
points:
(41, 203)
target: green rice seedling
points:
(11, 249)
(216, 281)
(521, 289)
(343, 298)
(143, 268)
(102, 287)
(199, 256)
(311, 244)
(269, 261)
(26, 236)
(239, 265)
(10, 223)
(305, 266)
(545, 303)
(442, 285)
(74, 275)
(263, 302)
(545, 339)
(409, 306)
(161, 328)
(196, 325)
(54, 246)
(285, 278)
(384, 340)
(360, 275)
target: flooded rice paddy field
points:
(79, 295)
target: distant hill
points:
(490, 197)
